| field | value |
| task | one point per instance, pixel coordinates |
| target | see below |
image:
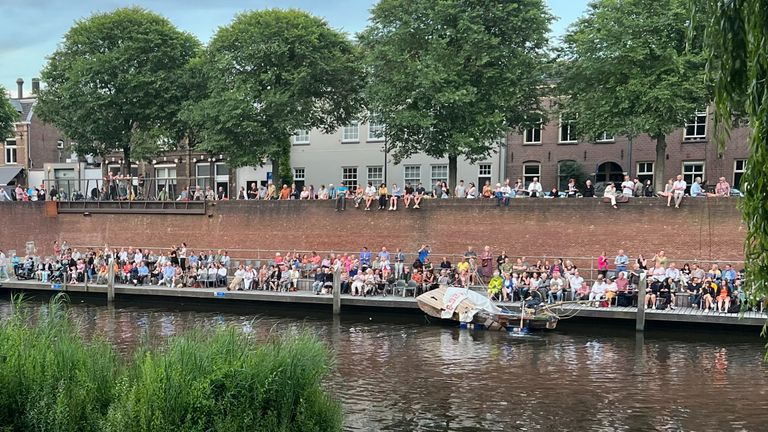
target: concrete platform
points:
(405, 304)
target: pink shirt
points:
(602, 263)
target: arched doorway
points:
(609, 172)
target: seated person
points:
(494, 286)
(611, 290)
(598, 290)
(142, 273)
(694, 291)
(723, 299)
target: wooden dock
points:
(404, 304)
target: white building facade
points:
(355, 154)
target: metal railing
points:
(134, 188)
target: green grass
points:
(212, 380)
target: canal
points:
(405, 374)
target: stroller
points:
(26, 271)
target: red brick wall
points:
(702, 229)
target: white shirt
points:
(679, 186)
(628, 188)
(240, 273)
(534, 187)
(460, 192)
(599, 288)
(576, 282)
(506, 190)
(370, 191)
(222, 271)
(3, 260)
(138, 257)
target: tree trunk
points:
(452, 172)
(276, 172)
(659, 167)
(127, 160)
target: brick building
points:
(691, 150)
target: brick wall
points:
(702, 229)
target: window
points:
(222, 177)
(351, 132)
(301, 136)
(298, 174)
(605, 137)
(116, 169)
(412, 175)
(203, 174)
(567, 131)
(692, 170)
(10, 152)
(532, 135)
(165, 176)
(375, 129)
(349, 176)
(645, 171)
(739, 167)
(484, 170)
(609, 172)
(439, 173)
(531, 170)
(376, 175)
(696, 128)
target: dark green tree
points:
(8, 115)
(270, 73)
(737, 47)
(449, 77)
(116, 83)
(628, 69)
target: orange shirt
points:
(285, 193)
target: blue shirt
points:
(695, 189)
(143, 271)
(423, 254)
(365, 258)
(169, 272)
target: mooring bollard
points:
(337, 290)
(641, 289)
(111, 281)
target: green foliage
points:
(271, 72)
(8, 115)
(571, 170)
(53, 380)
(449, 77)
(737, 47)
(117, 81)
(629, 68)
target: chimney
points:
(20, 84)
(35, 86)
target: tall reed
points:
(205, 380)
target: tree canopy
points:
(449, 77)
(629, 67)
(115, 82)
(8, 115)
(270, 73)
(737, 47)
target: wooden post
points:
(641, 289)
(337, 290)
(111, 281)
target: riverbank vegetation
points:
(52, 379)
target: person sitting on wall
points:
(494, 286)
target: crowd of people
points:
(115, 187)
(381, 272)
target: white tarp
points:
(454, 296)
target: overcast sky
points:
(31, 30)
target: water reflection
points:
(408, 376)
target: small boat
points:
(466, 306)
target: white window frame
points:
(413, 180)
(221, 178)
(202, 180)
(376, 130)
(299, 174)
(605, 138)
(485, 170)
(526, 180)
(697, 123)
(533, 131)
(351, 133)
(569, 124)
(376, 180)
(349, 175)
(644, 172)
(738, 171)
(434, 178)
(301, 137)
(689, 177)
(171, 180)
(11, 155)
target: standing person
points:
(486, 262)
(183, 256)
(341, 197)
(602, 264)
(424, 253)
(460, 191)
(621, 261)
(678, 190)
(627, 187)
(399, 263)
(4, 266)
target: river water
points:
(404, 374)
